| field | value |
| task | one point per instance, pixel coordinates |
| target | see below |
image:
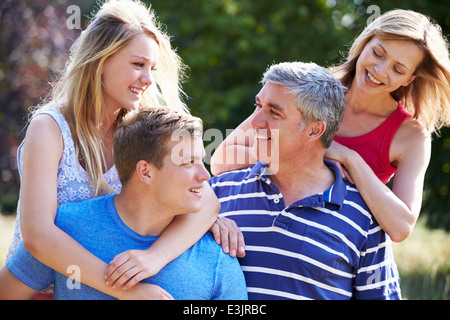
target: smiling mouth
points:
(137, 91)
(260, 136)
(196, 191)
(373, 79)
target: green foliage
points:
(8, 202)
(229, 44)
(436, 205)
(423, 262)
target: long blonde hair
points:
(78, 93)
(427, 98)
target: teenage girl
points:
(121, 61)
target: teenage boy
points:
(159, 155)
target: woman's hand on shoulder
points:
(227, 233)
(339, 155)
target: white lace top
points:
(73, 181)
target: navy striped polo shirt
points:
(326, 246)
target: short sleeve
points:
(230, 282)
(29, 270)
(377, 277)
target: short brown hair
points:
(143, 133)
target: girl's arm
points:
(234, 152)
(396, 211)
(132, 266)
(12, 288)
(38, 200)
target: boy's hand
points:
(227, 233)
(130, 267)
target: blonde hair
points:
(78, 93)
(427, 98)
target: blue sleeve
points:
(230, 282)
(377, 277)
(29, 270)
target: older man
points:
(308, 233)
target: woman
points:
(120, 62)
(397, 67)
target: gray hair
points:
(320, 96)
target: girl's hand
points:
(344, 172)
(336, 153)
(130, 267)
(227, 233)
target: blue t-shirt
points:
(203, 272)
(326, 246)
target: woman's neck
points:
(378, 104)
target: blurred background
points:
(227, 45)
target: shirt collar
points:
(337, 192)
(335, 195)
(259, 169)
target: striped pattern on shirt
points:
(327, 246)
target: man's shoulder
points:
(238, 182)
(234, 181)
(207, 248)
(352, 194)
(230, 176)
(355, 208)
(89, 203)
(208, 254)
(207, 244)
(83, 212)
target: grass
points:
(423, 260)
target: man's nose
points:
(259, 119)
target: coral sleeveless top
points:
(374, 146)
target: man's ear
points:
(144, 171)
(316, 129)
